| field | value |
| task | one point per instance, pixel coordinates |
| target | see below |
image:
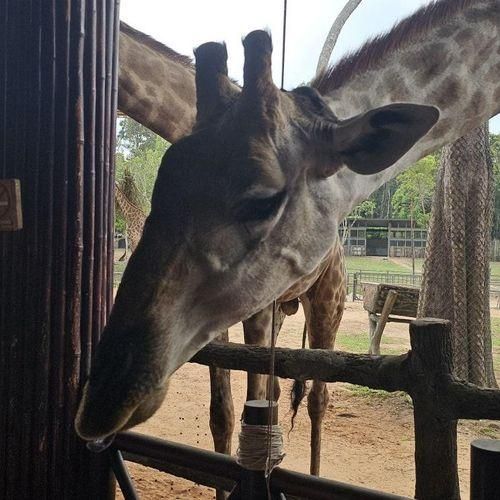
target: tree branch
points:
(334, 33)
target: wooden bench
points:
(386, 302)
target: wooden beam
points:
(377, 372)
(389, 373)
(375, 340)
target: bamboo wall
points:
(58, 67)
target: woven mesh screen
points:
(456, 271)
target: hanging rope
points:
(260, 447)
(274, 456)
(283, 46)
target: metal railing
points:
(356, 280)
(222, 471)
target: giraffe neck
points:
(156, 85)
(446, 55)
(134, 216)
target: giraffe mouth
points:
(100, 418)
(100, 445)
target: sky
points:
(185, 24)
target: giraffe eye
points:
(260, 209)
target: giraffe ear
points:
(373, 141)
(214, 89)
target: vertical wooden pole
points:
(376, 336)
(435, 430)
(253, 485)
(50, 311)
(484, 468)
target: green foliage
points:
(133, 137)
(374, 264)
(364, 210)
(383, 200)
(365, 392)
(120, 225)
(411, 190)
(495, 154)
(415, 190)
(138, 158)
(495, 150)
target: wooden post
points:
(435, 430)
(376, 336)
(253, 484)
(55, 284)
(484, 469)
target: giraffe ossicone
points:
(242, 210)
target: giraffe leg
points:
(221, 410)
(124, 256)
(221, 406)
(323, 306)
(257, 331)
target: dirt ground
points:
(367, 435)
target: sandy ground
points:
(367, 436)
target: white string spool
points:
(253, 453)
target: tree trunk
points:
(456, 272)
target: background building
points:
(383, 238)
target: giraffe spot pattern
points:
(483, 14)
(448, 92)
(441, 128)
(463, 36)
(427, 63)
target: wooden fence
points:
(356, 280)
(425, 373)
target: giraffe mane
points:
(155, 45)
(400, 36)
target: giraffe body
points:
(257, 328)
(134, 217)
(282, 157)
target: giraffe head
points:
(241, 210)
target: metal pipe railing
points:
(188, 458)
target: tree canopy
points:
(138, 156)
(413, 191)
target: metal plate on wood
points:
(10, 205)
